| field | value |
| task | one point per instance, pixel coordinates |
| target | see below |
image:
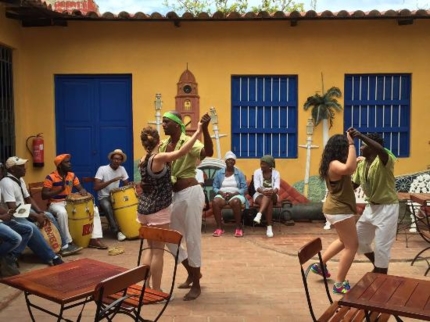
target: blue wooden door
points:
(93, 117)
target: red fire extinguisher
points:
(37, 150)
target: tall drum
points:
(80, 210)
(124, 205)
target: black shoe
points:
(57, 261)
(70, 250)
(8, 266)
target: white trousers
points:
(58, 209)
(187, 219)
(378, 223)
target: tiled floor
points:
(244, 279)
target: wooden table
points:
(399, 296)
(420, 198)
(71, 284)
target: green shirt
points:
(380, 184)
(185, 166)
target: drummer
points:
(56, 187)
(108, 178)
(14, 193)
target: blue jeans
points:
(37, 243)
(106, 206)
(14, 240)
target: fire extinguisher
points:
(37, 150)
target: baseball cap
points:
(13, 161)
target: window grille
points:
(264, 116)
(7, 119)
(380, 103)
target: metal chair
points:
(119, 284)
(422, 221)
(151, 296)
(334, 312)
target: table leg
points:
(27, 301)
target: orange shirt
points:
(55, 180)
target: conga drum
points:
(80, 210)
(52, 236)
(124, 205)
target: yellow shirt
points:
(380, 184)
(185, 166)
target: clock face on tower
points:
(187, 89)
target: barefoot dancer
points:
(188, 196)
(155, 204)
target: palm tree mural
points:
(323, 108)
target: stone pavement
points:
(244, 279)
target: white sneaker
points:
(257, 218)
(120, 236)
(327, 225)
(269, 232)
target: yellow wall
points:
(156, 54)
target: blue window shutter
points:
(380, 103)
(264, 116)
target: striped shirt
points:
(54, 179)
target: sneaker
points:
(57, 261)
(238, 233)
(257, 218)
(218, 232)
(8, 266)
(70, 250)
(269, 232)
(342, 289)
(316, 268)
(120, 236)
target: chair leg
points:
(418, 255)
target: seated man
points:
(12, 243)
(56, 187)
(108, 177)
(14, 193)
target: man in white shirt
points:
(109, 177)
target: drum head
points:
(78, 198)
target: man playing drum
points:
(188, 196)
(56, 187)
(109, 177)
(14, 193)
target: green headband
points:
(175, 119)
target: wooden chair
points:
(422, 221)
(151, 296)
(35, 191)
(119, 284)
(334, 312)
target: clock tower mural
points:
(187, 101)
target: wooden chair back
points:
(151, 296)
(119, 284)
(334, 312)
(35, 191)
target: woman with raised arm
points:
(155, 201)
(338, 163)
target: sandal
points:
(218, 232)
(238, 233)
